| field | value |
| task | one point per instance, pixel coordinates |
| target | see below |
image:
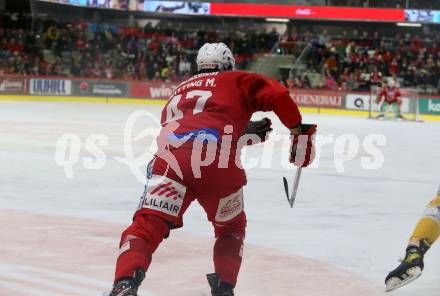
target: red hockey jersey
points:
(213, 104)
(390, 95)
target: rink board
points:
(108, 100)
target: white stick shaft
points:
(295, 186)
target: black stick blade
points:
(286, 188)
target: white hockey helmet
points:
(215, 56)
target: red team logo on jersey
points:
(165, 195)
(166, 189)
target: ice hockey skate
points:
(219, 288)
(410, 269)
(128, 286)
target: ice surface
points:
(355, 223)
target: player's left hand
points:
(261, 128)
(302, 150)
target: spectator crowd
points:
(161, 52)
(355, 61)
(166, 51)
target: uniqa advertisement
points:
(49, 86)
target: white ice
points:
(357, 220)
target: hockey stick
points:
(292, 197)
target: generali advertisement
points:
(318, 98)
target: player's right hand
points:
(261, 128)
(302, 150)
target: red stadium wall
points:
(159, 90)
(89, 87)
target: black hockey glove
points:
(261, 128)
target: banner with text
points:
(151, 90)
(429, 106)
(158, 90)
(318, 98)
(361, 101)
(99, 88)
(49, 86)
(13, 85)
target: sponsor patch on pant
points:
(164, 195)
(230, 207)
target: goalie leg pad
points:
(396, 109)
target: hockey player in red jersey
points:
(390, 96)
(198, 158)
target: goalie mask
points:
(215, 56)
